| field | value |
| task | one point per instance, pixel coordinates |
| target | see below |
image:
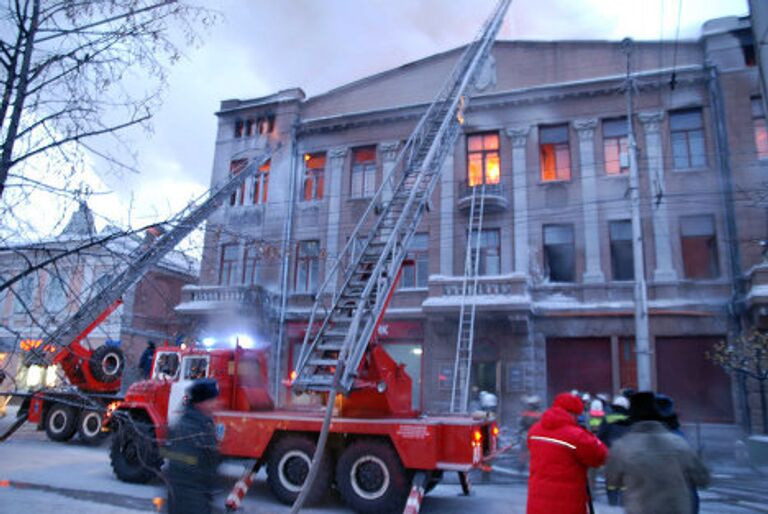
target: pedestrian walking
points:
(145, 361)
(655, 465)
(561, 452)
(192, 452)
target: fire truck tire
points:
(89, 427)
(61, 422)
(107, 364)
(133, 454)
(288, 466)
(371, 478)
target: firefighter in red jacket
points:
(561, 452)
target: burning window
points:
(239, 128)
(555, 153)
(261, 184)
(416, 266)
(622, 258)
(687, 134)
(490, 252)
(559, 253)
(238, 195)
(759, 127)
(699, 247)
(363, 183)
(228, 268)
(307, 266)
(483, 159)
(314, 171)
(266, 124)
(616, 146)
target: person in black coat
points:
(192, 452)
(145, 361)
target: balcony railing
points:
(495, 198)
(216, 298)
(502, 291)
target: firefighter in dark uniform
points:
(192, 452)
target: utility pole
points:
(642, 345)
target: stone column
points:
(388, 152)
(335, 172)
(447, 206)
(519, 137)
(664, 270)
(585, 128)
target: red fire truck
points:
(376, 443)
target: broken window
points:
(555, 153)
(490, 252)
(266, 124)
(314, 170)
(238, 195)
(307, 266)
(228, 267)
(616, 146)
(363, 172)
(261, 184)
(483, 159)
(687, 134)
(699, 247)
(239, 127)
(559, 253)
(249, 127)
(622, 258)
(759, 127)
(747, 43)
(416, 265)
(251, 264)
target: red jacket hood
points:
(556, 417)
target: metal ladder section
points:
(352, 299)
(462, 365)
(145, 258)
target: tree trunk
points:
(746, 418)
(763, 408)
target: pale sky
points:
(262, 46)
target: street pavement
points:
(39, 476)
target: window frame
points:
(415, 258)
(690, 155)
(251, 265)
(691, 260)
(237, 197)
(314, 176)
(619, 143)
(614, 244)
(571, 246)
(365, 171)
(486, 250)
(558, 148)
(261, 184)
(484, 153)
(309, 264)
(230, 271)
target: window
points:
(314, 169)
(239, 127)
(25, 294)
(251, 264)
(238, 195)
(559, 253)
(307, 266)
(759, 127)
(416, 267)
(622, 257)
(363, 172)
(699, 247)
(687, 133)
(228, 268)
(490, 252)
(56, 293)
(194, 368)
(266, 124)
(616, 146)
(555, 153)
(747, 43)
(249, 127)
(261, 184)
(483, 159)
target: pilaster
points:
(519, 137)
(335, 172)
(585, 128)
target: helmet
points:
(531, 399)
(621, 401)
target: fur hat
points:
(569, 402)
(202, 390)
(642, 407)
(665, 406)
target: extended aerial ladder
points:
(467, 312)
(61, 345)
(344, 316)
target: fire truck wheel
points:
(61, 422)
(107, 363)
(288, 466)
(371, 478)
(89, 427)
(133, 454)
